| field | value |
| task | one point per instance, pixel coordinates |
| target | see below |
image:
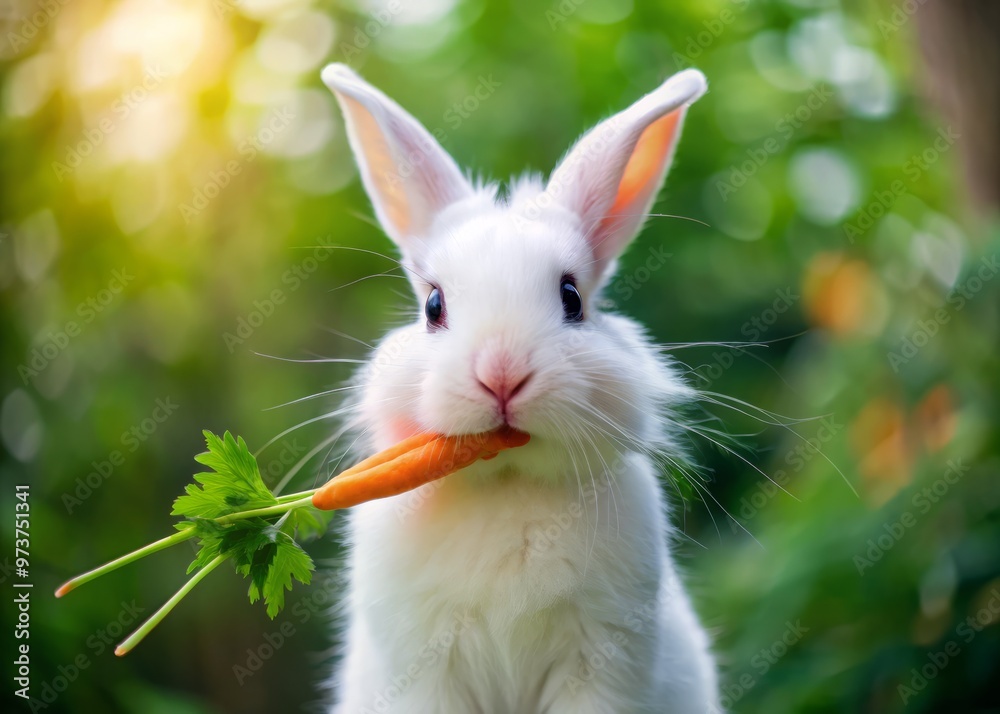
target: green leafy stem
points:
(235, 517)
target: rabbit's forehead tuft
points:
(504, 252)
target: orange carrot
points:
(395, 451)
(410, 464)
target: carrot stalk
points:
(410, 464)
(136, 637)
(79, 580)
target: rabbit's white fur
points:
(538, 582)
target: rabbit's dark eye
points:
(571, 300)
(434, 308)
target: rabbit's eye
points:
(571, 300)
(434, 308)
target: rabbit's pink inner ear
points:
(645, 168)
(381, 166)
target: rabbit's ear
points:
(611, 176)
(407, 174)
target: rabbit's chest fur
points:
(507, 586)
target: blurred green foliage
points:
(174, 175)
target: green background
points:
(838, 236)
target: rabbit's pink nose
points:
(501, 380)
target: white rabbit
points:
(538, 582)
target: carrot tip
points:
(513, 438)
